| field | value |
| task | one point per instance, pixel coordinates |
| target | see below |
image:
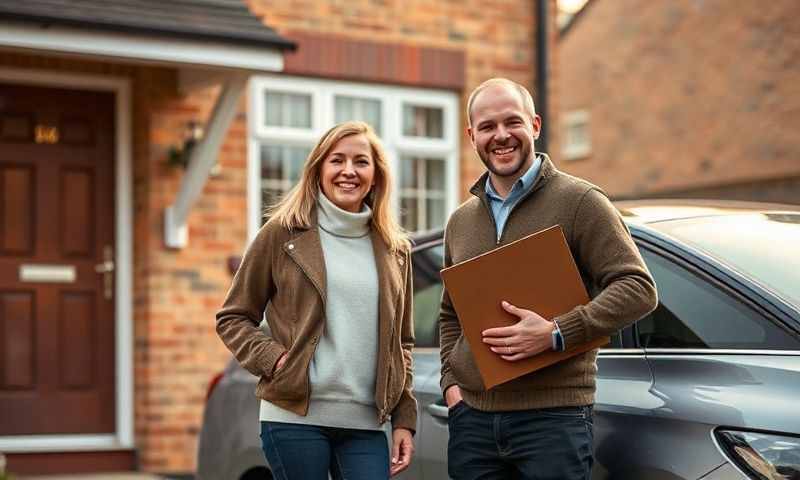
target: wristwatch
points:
(558, 339)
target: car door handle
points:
(437, 410)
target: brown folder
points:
(536, 273)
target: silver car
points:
(706, 387)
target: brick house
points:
(114, 257)
(690, 98)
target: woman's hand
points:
(402, 450)
(279, 364)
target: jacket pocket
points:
(288, 383)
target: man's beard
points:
(525, 154)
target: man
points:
(538, 425)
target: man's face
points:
(502, 131)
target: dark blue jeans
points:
(544, 444)
(296, 451)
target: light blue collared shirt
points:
(501, 207)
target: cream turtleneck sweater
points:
(342, 372)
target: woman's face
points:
(348, 172)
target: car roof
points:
(424, 239)
(653, 211)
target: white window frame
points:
(573, 149)
(322, 93)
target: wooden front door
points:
(56, 261)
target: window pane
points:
(300, 111)
(434, 174)
(696, 314)
(423, 121)
(270, 196)
(362, 109)
(408, 214)
(427, 295)
(424, 180)
(408, 172)
(344, 108)
(577, 133)
(434, 213)
(372, 114)
(273, 105)
(271, 161)
(282, 162)
(296, 159)
(287, 109)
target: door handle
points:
(107, 269)
(104, 267)
(437, 410)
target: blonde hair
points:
(295, 209)
(525, 95)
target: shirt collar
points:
(523, 183)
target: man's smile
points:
(503, 152)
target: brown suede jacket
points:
(283, 272)
(618, 282)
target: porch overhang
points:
(142, 49)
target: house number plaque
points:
(46, 134)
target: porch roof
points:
(227, 21)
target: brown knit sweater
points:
(615, 276)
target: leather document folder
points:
(536, 273)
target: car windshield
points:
(763, 246)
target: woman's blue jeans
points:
(297, 451)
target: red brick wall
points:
(177, 350)
(685, 96)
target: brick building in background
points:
(113, 261)
(688, 98)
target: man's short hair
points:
(527, 99)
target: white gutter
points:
(202, 160)
(148, 49)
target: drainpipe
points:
(542, 71)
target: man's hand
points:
(531, 335)
(452, 395)
(402, 450)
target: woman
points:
(332, 269)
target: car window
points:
(695, 313)
(616, 341)
(762, 246)
(427, 295)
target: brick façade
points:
(688, 98)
